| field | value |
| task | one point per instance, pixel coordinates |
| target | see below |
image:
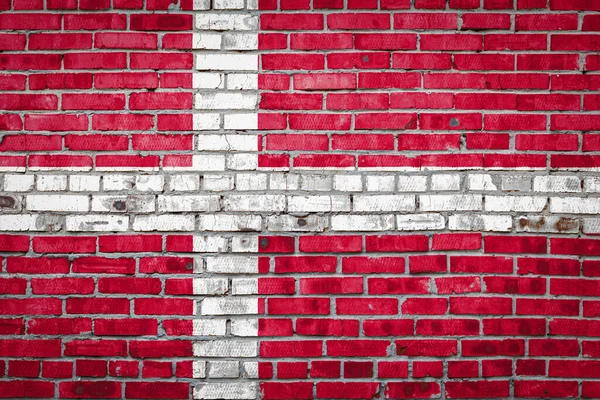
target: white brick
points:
(383, 203)
(516, 183)
(226, 348)
(209, 244)
(226, 22)
(591, 226)
(202, 4)
(170, 222)
(250, 181)
(591, 184)
(199, 369)
(51, 183)
(420, 222)
(150, 183)
(237, 390)
(445, 182)
(47, 168)
(198, 265)
(347, 183)
(183, 183)
(29, 222)
(242, 162)
(97, 223)
(206, 122)
(412, 183)
(450, 202)
(377, 183)
(204, 162)
(209, 327)
(18, 183)
(256, 203)
(244, 327)
(84, 183)
(290, 223)
(243, 41)
(232, 265)
(57, 202)
(250, 369)
(244, 244)
(223, 369)
(228, 4)
(126, 168)
(232, 223)
(556, 183)
(242, 81)
(225, 101)
(188, 203)
(114, 182)
(244, 286)
(515, 203)
(226, 62)
(239, 121)
(575, 205)
(208, 80)
(16, 168)
(228, 142)
(206, 41)
(362, 223)
(472, 222)
(284, 181)
(304, 204)
(217, 183)
(252, 4)
(547, 223)
(211, 286)
(317, 183)
(123, 204)
(481, 182)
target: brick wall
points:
(295, 199)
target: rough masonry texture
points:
(299, 199)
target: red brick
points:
(326, 327)
(480, 21)
(366, 306)
(386, 41)
(353, 265)
(426, 348)
(358, 21)
(23, 388)
(345, 390)
(57, 369)
(387, 327)
(372, 60)
(394, 243)
(478, 348)
(514, 326)
(285, 306)
(304, 348)
(59, 326)
(148, 390)
(291, 22)
(474, 389)
(286, 390)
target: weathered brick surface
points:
(295, 199)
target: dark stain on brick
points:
(7, 202)
(120, 205)
(264, 243)
(565, 224)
